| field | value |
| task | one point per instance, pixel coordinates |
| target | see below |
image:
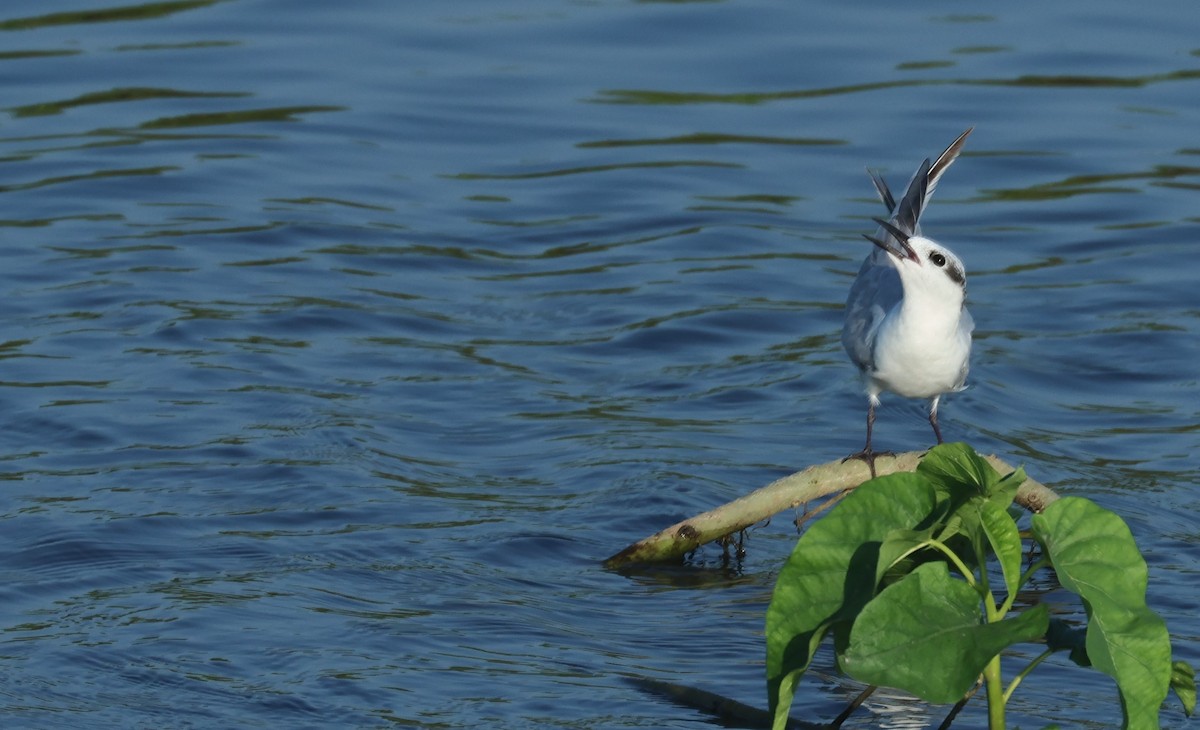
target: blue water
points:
(341, 342)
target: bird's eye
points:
(937, 259)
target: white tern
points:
(907, 327)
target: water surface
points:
(341, 344)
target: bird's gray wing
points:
(944, 160)
(875, 291)
(908, 212)
(936, 170)
(881, 188)
(966, 325)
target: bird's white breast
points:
(921, 353)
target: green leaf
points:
(830, 574)
(1005, 540)
(1095, 557)
(957, 472)
(897, 545)
(951, 527)
(1183, 681)
(1004, 491)
(923, 634)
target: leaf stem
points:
(1008, 600)
(958, 563)
(1021, 675)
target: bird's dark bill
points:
(899, 249)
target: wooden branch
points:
(790, 492)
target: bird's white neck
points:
(932, 312)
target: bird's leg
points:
(867, 454)
(933, 418)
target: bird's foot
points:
(868, 456)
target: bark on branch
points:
(790, 492)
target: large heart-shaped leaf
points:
(924, 634)
(1095, 556)
(830, 574)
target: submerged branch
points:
(730, 712)
(790, 492)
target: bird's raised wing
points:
(935, 172)
(944, 160)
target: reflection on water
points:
(640, 96)
(343, 343)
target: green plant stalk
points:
(983, 586)
(996, 698)
(995, 694)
